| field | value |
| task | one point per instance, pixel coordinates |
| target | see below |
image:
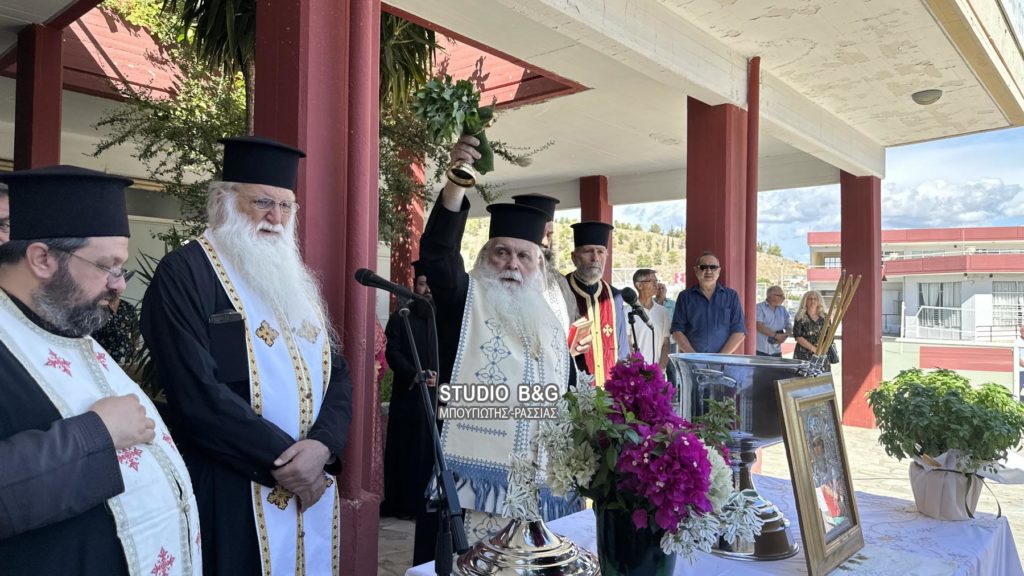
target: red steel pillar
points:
(594, 206)
(404, 253)
(861, 250)
(749, 300)
(317, 77)
(716, 197)
(37, 107)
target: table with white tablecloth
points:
(897, 540)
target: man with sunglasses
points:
(91, 481)
(708, 316)
(257, 391)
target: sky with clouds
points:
(975, 180)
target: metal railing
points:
(941, 323)
(956, 252)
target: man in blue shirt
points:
(708, 316)
(773, 323)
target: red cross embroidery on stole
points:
(169, 440)
(101, 357)
(163, 564)
(60, 363)
(130, 457)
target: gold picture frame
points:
(820, 471)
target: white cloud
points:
(938, 203)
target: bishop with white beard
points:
(495, 328)
(258, 394)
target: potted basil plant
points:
(952, 431)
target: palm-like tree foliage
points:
(406, 59)
(223, 34)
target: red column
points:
(861, 240)
(716, 179)
(594, 206)
(317, 76)
(404, 253)
(749, 300)
(38, 90)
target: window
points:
(1007, 304)
(833, 262)
(940, 304)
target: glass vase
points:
(623, 550)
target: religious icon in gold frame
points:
(820, 471)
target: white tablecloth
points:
(897, 540)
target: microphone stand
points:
(632, 314)
(450, 531)
(632, 328)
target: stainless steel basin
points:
(749, 379)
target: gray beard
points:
(272, 267)
(518, 307)
(53, 304)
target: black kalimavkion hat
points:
(591, 233)
(66, 202)
(258, 160)
(538, 201)
(517, 221)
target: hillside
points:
(633, 248)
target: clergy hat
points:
(66, 202)
(417, 270)
(538, 201)
(517, 221)
(591, 233)
(258, 160)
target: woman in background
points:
(808, 324)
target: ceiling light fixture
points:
(926, 97)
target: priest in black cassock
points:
(91, 482)
(495, 327)
(556, 290)
(408, 454)
(598, 300)
(258, 394)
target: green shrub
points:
(385, 386)
(932, 413)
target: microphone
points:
(368, 278)
(630, 298)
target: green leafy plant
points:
(932, 413)
(452, 109)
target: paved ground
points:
(873, 472)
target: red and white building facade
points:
(951, 297)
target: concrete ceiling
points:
(16, 14)
(859, 60)
(837, 76)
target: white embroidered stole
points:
(156, 516)
(553, 294)
(289, 371)
(491, 353)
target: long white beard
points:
(271, 265)
(520, 306)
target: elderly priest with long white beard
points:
(495, 328)
(91, 482)
(258, 394)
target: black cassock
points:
(55, 477)
(442, 264)
(408, 456)
(203, 368)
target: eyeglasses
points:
(267, 204)
(112, 274)
(647, 281)
(703, 267)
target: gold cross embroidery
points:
(279, 497)
(308, 332)
(607, 329)
(267, 333)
